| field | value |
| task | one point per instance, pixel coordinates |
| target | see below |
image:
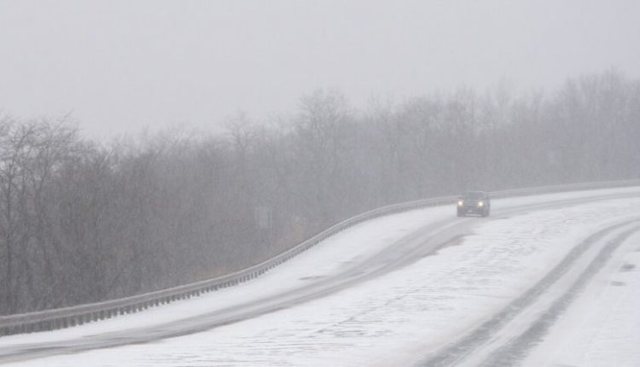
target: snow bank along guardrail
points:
(71, 316)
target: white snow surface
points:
(392, 320)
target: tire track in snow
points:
(508, 354)
(517, 349)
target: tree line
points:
(82, 221)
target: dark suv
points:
(474, 202)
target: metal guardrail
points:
(77, 315)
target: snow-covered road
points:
(601, 328)
(399, 290)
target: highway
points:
(270, 321)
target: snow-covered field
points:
(403, 316)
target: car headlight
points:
(480, 204)
(460, 202)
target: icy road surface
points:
(415, 311)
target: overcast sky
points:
(118, 66)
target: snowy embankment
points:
(392, 320)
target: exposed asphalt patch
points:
(312, 277)
(618, 284)
(627, 267)
(454, 241)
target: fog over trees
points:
(84, 222)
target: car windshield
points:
(474, 195)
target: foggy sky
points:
(117, 66)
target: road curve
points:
(425, 241)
